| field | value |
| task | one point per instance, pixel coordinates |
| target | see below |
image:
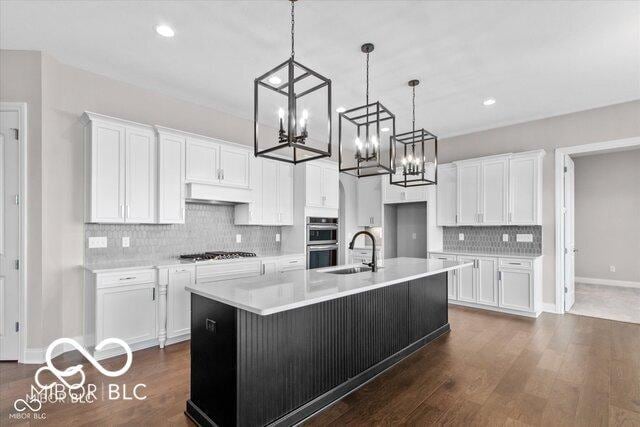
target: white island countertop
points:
(278, 292)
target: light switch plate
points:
(460, 236)
(126, 242)
(505, 237)
(277, 237)
(414, 236)
(612, 268)
(97, 242)
(238, 238)
(524, 237)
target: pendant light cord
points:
(367, 87)
(293, 23)
(413, 119)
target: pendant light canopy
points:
(417, 151)
(365, 135)
(296, 101)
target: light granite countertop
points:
(278, 292)
(487, 254)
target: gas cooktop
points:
(208, 256)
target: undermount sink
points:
(350, 270)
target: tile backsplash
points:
(489, 240)
(206, 228)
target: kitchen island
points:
(275, 349)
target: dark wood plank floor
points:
(492, 369)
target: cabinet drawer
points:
(232, 270)
(130, 277)
(287, 264)
(443, 257)
(516, 263)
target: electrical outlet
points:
(277, 237)
(505, 237)
(126, 242)
(414, 236)
(97, 242)
(524, 238)
(238, 238)
(460, 236)
(612, 268)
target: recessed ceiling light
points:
(275, 80)
(340, 110)
(489, 101)
(384, 130)
(165, 31)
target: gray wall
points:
(597, 125)
(390, 231)
(411, 230)
(607, 215)
(206, 228)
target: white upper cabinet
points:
(277, 193)
(370, 201)
(469, 192)
(209, 161)
(525, 188)
(393, 194)
(171, 170)
(446, 191)
(321, 184)
(285, 193)
(494, 197)
(121, 170)
(140, 175)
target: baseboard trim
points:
(549, 308)
(496, 309)
(607, 282)
(36, 356)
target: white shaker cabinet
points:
(469, 191)
(252, 213)
(215, 162)
(121, 176)
(277, 193)
(446, 192)
(171, 178)
(516, 289)
(452, 276)
(467, 281)
(234, 166)
(285, 193)
(178, 319)
(321, 184)
(369, 191)
(525, 188)
(487, 281)
(494, 196)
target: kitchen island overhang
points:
(275, 349)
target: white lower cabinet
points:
(178, 324)
(513, 285)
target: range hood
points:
(215, 194)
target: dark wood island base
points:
(253, 370)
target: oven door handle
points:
(323, 226)
(312, 248)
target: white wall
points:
(600, 124)
(607, 215)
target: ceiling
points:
(536, 58)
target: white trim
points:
(496, 309)
(559, 191)
(548, 307)
(21, 109)
(36, 355)
(607, 282)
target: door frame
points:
(21, 109)
(594, 148)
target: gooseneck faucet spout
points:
(372, 264)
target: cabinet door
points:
(446, 191)
(179, 301)
(469, 183)
(171, 179)
(127, 312)
(495, 179)
(393, 193)
(330, 186)
(516, 289)
(285, 193)
(269, 267)
(467, 281)
(369, 204)
(234, 166)
(107, 147)
(270, 213)
(202, 162)
(452, 277)
(140, 174)
(487, 274)
(523, 190)
(314, 184)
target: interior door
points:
(569, 235)
(9, 239)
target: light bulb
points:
(358, 143)
(281, 113)
(305, 114)
(275, 80)
(374, 141)
(404, 161)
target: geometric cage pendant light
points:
(292, 111)
(417, 153)
(365, 135)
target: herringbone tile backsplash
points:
(489, 240)
(206, 228)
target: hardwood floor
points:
(492, 369)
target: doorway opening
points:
(597, 230)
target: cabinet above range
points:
(497, 190)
